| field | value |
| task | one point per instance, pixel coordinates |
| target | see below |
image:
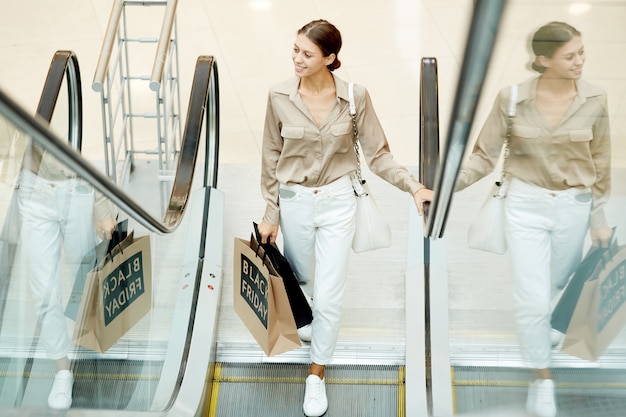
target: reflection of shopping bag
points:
(89, 262)
(600, 313)
(300, 307)
(118, 293)
(589, 269)
(261, 301)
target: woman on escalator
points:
(558, 169)
(62, 216)
(308, 157)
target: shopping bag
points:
(600, 313)
(261, 301)
(118, 293)
(300, 306)
(372, 230)
(89, 262)
(593, 262)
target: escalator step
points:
(240, 389)
(580, 392)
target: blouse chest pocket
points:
(342, 135)
(292, 132)
(294, 143)
(525, 132)
(580, 135)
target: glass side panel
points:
(567, 167)
(119, 323)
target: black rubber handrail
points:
(484, 27)
(429, 127)
(37, 129)
(203, 104)
(64, 64)
(429, 151)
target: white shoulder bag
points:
(372, 230)
(487, 231)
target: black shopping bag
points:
(89, 262)
(297, 299)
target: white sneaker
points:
(304, 333)
(60, 397)
(315, 401)
(556, 337)
(540, 401)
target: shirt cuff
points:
(271, 216)
(597, 220)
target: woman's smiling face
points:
(567, 61)
(308, 58)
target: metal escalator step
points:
(580, 392)
(98, 383)
(242, 389)
(115, 384)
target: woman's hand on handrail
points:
(421, 196)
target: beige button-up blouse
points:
(575, 154)
(297, 151)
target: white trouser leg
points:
(53, 213)
(545, 233)
(318, 226)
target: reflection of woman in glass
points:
(308, 156)
(559, 170)
(59, 212)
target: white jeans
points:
(55, 214)
(317, 226)
(545, 233)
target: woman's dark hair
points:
(549, 38)
(326, 36)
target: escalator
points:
(158, 366)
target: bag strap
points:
(355, 132)
(259, 242)
(510, 114)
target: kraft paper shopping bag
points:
(600, 312)
(589, 269)
(261, 301)
(118, 293)
(89, 262)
